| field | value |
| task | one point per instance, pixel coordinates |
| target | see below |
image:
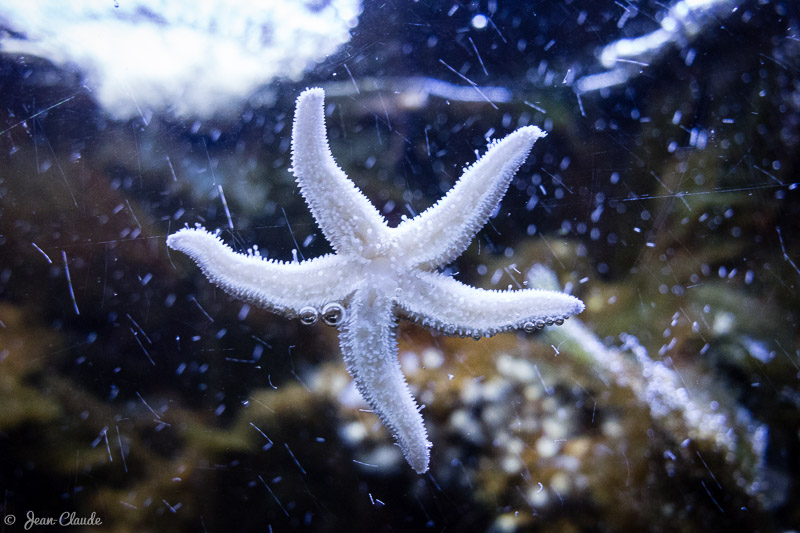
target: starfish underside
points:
(378, 273)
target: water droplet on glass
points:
(308, 316)
(333, 314)
(559, 321)
(529, 327)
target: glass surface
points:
(135, 395)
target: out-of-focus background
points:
(665, 196)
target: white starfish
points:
(378, 272)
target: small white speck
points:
(479, 21)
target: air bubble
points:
(308, 316)
(333, 314)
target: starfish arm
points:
(443, 231)
(442, 303)
(370, 352)
(274, 285)
(347, 219)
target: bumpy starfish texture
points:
(379, 273)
